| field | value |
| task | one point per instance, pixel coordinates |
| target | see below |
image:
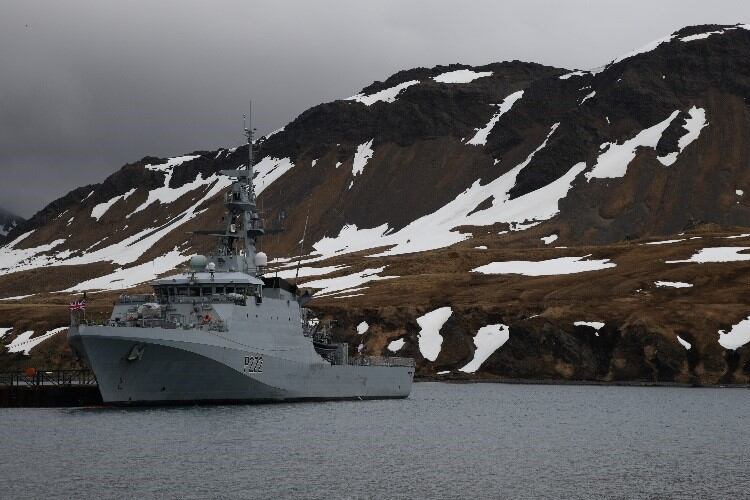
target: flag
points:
(78, 305)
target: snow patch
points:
(5, 331)
(352, 239)
(362, 328)
(549, 239)
(703, 36)
(268, 170)
(646, 48)
(165, 194)
(737, 336)
(430, 340)
(129, 277)
(487, 340)
(24, 343)
(694, 124)
(280, 129)
(338, 293)
(99, 210)
(672, 284)
(587, 97)
(361, 157)
(684, 343)
(551, 267)
(386, 95)
(614, 161)
(12, 260)
(436, 230)
(133, 247)
(480, 138)
(663, 242)
(596, 325)
(716, 254)
(19, 239)
(5, 230)
(461, 76)
(396, 345)
(572, 74)
(305, 272)
(345, 283)
(18, 297)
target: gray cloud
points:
(89, 86)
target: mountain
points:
(511, 220)
(8, 221)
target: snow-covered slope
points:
(542, 174)
(430, 157)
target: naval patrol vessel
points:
(224, 332)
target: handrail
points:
(382, 361)
(48, 378)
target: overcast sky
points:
(86, 87)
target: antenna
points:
(301, 248)
(247, 124)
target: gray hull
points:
(178, 366)
(223, 331)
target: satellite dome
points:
(198, 263)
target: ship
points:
(223, 331)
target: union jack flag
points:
(78, 305)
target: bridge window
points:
(206, 291)
(219, 290)
(182, 291)
(195, 291)
(230, 289)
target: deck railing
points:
(48, 378)
(381, 361)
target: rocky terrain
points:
(8, 221)
(505, 221)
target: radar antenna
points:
(243, 224)
(247, 124)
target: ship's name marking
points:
(253, 364)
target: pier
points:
(48, 388)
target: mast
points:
(243, 219)
(249, 132)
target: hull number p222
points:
(253, 364)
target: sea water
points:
(444, 441)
